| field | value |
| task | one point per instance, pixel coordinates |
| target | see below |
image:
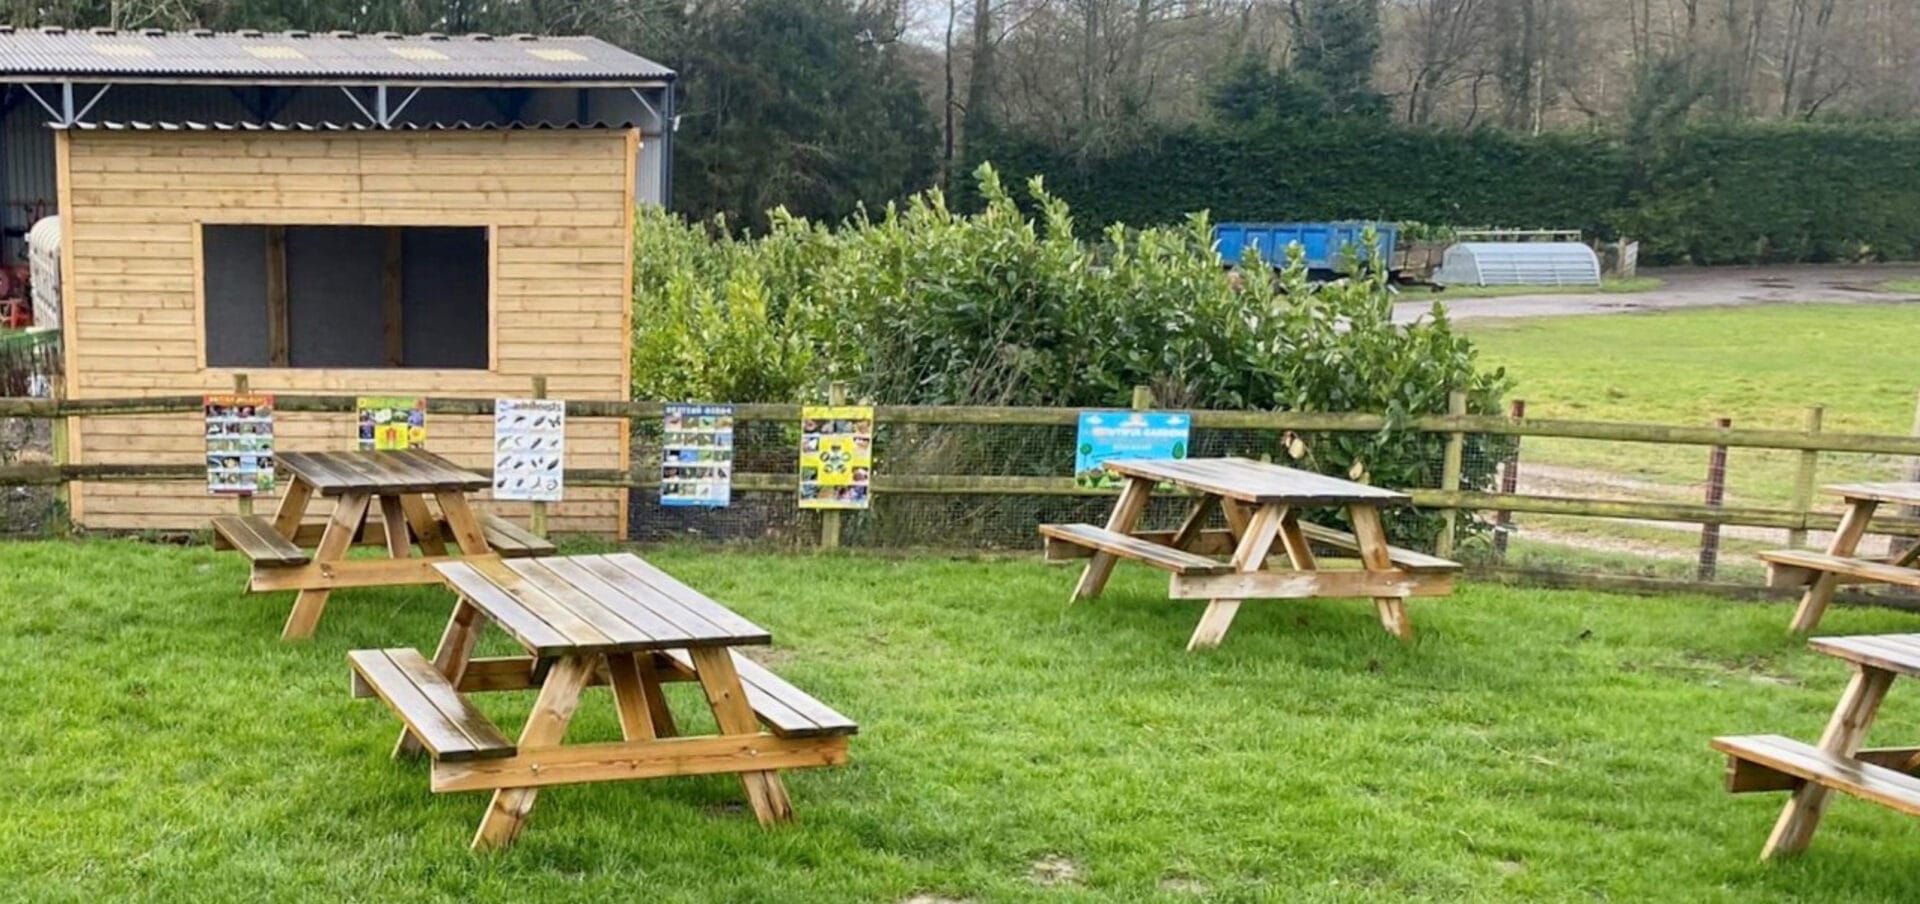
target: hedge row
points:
(1711, 194)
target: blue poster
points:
(696, 467)
(1109, 435)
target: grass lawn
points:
(1608, 285)
(1760, 366)
(1904, 285)
(1531, 746)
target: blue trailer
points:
(1325, 244)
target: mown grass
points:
(1903, 285)
(1608, 286)
(1760, 366)
(1531, 746)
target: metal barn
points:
(333, 213)
(1519, 264)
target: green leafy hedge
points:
(1709, 194)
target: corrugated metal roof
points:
(252, 57)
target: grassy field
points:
(1608, 286)
(1531, 746)
(1904, 285)
(1760, 366)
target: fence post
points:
(537, 520)
(1142, 398)
(62, 521)
(830, 518)
(1450, 475)
(1716, 495)
(1894, 544)
(243, 502)
(1509, 484)
(1803, 480)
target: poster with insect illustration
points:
(1114, 435)
(391, 424)
(836, 457)
(696, 456)
(239, 444)
(529, 449)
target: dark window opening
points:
(346, 296)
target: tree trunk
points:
(981, 76)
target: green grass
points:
(1531, 746)
(1761, 366)
(1608, 286)
(1911, 286)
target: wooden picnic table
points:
(1260, 504)
(586, 620)
(400, 484)
(1822, 573)
(1886, 776)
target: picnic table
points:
(1886, 776)
(588, 620)
(1260, 504)
(400, 484)
(1822, 573)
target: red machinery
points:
(16, 298)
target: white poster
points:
(529, 446)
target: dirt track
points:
(1693, 287)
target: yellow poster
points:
(836, 457)
(391, 424)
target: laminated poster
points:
(239, 444)
(529, 449)
(1115, 435)
(836, 457)
(392, 424)
(696, 459)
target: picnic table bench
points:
(1260, 504)
(399, 484)
(585, 621)
(1888, 776)
(1823, 573)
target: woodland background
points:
(1713, 130)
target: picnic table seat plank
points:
(1808, 763)
(435, 713)
(1127, 546)
(1897, 653)
(1403, 559)
(1798, 566)
(1257, 482)
(255, 537)
(511, 540)
(788, 711)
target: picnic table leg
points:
(1250, 554)
(1846, 538)
(399, 543)
(293, 507)
(1196, 520)
(348, 514)
(460, 519)
(1299, 552)
(658, 712)
(1843, 736)
(721, 681)
(1375, 556)
(1237, 517)
(425, 528)
(1126, 512)
(546, 726)
(456, 648)
(630, 696)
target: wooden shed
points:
(342, 214)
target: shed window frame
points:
(490, 277)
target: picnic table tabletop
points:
(1256, 482)
(409, 471)
(1906, 493)
(579, 605)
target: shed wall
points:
(560, 208)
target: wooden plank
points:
(728, 699)
(1126, 513)
(505, 610)
(1864, 569)
(348, 514)
(546, 726)
(1804, 763)
(1903, 492)
(621, 761)
(1308, 585)
(579, 636)
(1846, 539)
(728, 623)
(256, 539)
(1844, 732)
(293, 507)
(630, 697)
(1255, 482)
(279, 321)
(1376, 555)
(399, 543)
(461, 522)
(1125, 546)
(423, 704)
(669, 632)
(787, 710)
(344, 573)
(1899, 653)
(590, 608)
(1256, 543)
(510, 539)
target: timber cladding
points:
(557, 206)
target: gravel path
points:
(1694, 287)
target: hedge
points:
(1750, 193)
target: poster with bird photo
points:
(389, 424)
(836, 457)
(696, 461)
(529, 449)
(239, 444)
